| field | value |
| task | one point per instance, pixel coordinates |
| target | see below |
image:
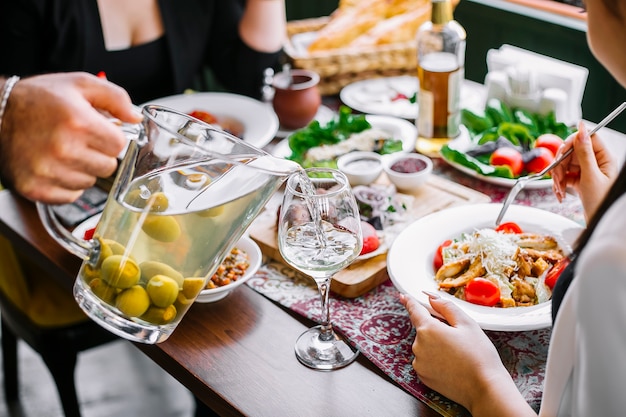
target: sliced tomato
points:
(543, 158)
(482, 291)
(549, 141)
(510, 157)
(438, 259)
(509, 227)
(88, 235)
(555, 272)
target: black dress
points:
(40, 36)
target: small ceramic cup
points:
(296, 97)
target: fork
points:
(522, 181)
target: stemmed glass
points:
(319, 233)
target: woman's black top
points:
(40, 36)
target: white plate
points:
(206, 296)
(324, 115)
(397, 128)
(90, 223)
(259, 120)
(463, 143)
(410, 259)
(254, 258)
(375, 96)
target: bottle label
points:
(425, 113)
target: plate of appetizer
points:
(321, 144)
(501, 277)
(241, 263)
(501, 143)
(251, 120)
(389, 96)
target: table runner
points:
(379, 326)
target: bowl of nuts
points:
(241, 263)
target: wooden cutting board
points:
(363, 275)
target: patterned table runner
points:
(379, 326)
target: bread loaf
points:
(349, 22)
(363, 23)
(399, 28)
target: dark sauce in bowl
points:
(408, 165)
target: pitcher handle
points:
(87, 250)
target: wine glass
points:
(319, 233)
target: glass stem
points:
(323, 287)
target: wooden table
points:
(236, 355)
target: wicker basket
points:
(341, 67)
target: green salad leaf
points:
(333, 132)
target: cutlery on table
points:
(522, 181)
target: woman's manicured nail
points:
(432, 295)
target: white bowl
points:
(254, 258)
(361, 167)
(407, 181)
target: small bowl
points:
(254, 259)
(417, 166)
(361, 167)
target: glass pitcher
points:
(184, 194)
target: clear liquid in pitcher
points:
(164, 237)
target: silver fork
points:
(522, 181)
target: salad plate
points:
(463, 143)
(410, 258)
(388, 96)
(397, 128)
(259, 120)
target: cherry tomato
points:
(482, 291)
(509, 227)
(205, 116)
(549, 141)
(438, 259)
(543, 159)
(555, 272)
(370, 238)
(508, 157)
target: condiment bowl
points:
(407, 171)
(253, 251)
(361, 167)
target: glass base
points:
(114, 322)
(316, 353)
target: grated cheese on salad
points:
(499, 254)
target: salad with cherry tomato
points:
(508, 142)
(503, 266)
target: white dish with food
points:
(389, 96)
(259, 121)
(397, 128)
(247, 245)
(463, 143)
(410, 258)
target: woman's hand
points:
(459, 361)
(54, 140)
(590, 170)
